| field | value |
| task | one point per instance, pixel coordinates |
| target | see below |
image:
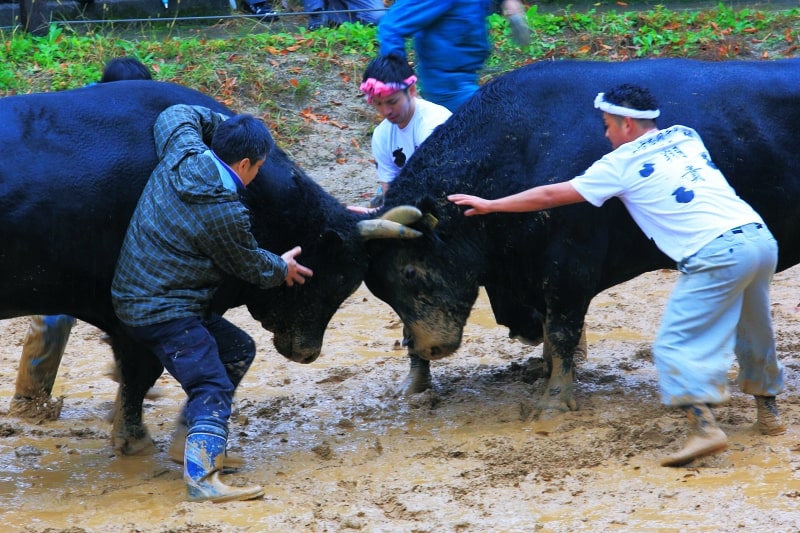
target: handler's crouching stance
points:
(723, 249)
(190, 230)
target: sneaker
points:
(263, 10)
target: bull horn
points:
(403, 214)
(385, 229)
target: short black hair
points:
(239, 137)
(125, 68)
(632, 97)
(390, 68)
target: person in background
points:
(451, 42)
(261, 8)
(47, 336)
(371, 12)
(188, 232)
(389, 84)
(125, 68)
(723, 249)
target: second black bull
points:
(74, 166)
(537, 125)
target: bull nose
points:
(297, 349)
(302, 357)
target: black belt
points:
(738, 229)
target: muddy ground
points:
(336, 451)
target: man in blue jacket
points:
(451, 42)
(189, 231)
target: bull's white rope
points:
(601, 104)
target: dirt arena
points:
(336, 451)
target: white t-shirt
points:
(392, 145)
(671, 188)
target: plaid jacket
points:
(187, 232)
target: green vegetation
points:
(275, 72)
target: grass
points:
(276, 73)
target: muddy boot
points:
(177, 449)
(41, 356)
(205, 449)
(768, 420)
(705, 437)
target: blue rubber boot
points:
(177, 449)
(41, 356)
(203, 461)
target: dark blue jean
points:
(208, 357)
(373, 11)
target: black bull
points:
(537, 125)
(75, 163)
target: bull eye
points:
(410, 273)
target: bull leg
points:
(139, 370)
(581, 351)
(418, 379)
(559, 394)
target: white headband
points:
(601, 104)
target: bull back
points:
(537, 125)
(78, 162)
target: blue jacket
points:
(188, 231)
(450, 40)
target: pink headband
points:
(372, 87)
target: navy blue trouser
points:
(208, 357)
(373, 10)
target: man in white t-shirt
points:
(390, 86)
(723, 249)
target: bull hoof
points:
(549, 414)
(131, 446)
(556, 405)
(413, 385)
(545, 425)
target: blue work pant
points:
(720, 307)
(447, 88)
(372, 14)
(208, 357)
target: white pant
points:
(719, 307)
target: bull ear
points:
(430, 221)
(385, 229)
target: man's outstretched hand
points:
(295, 272)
